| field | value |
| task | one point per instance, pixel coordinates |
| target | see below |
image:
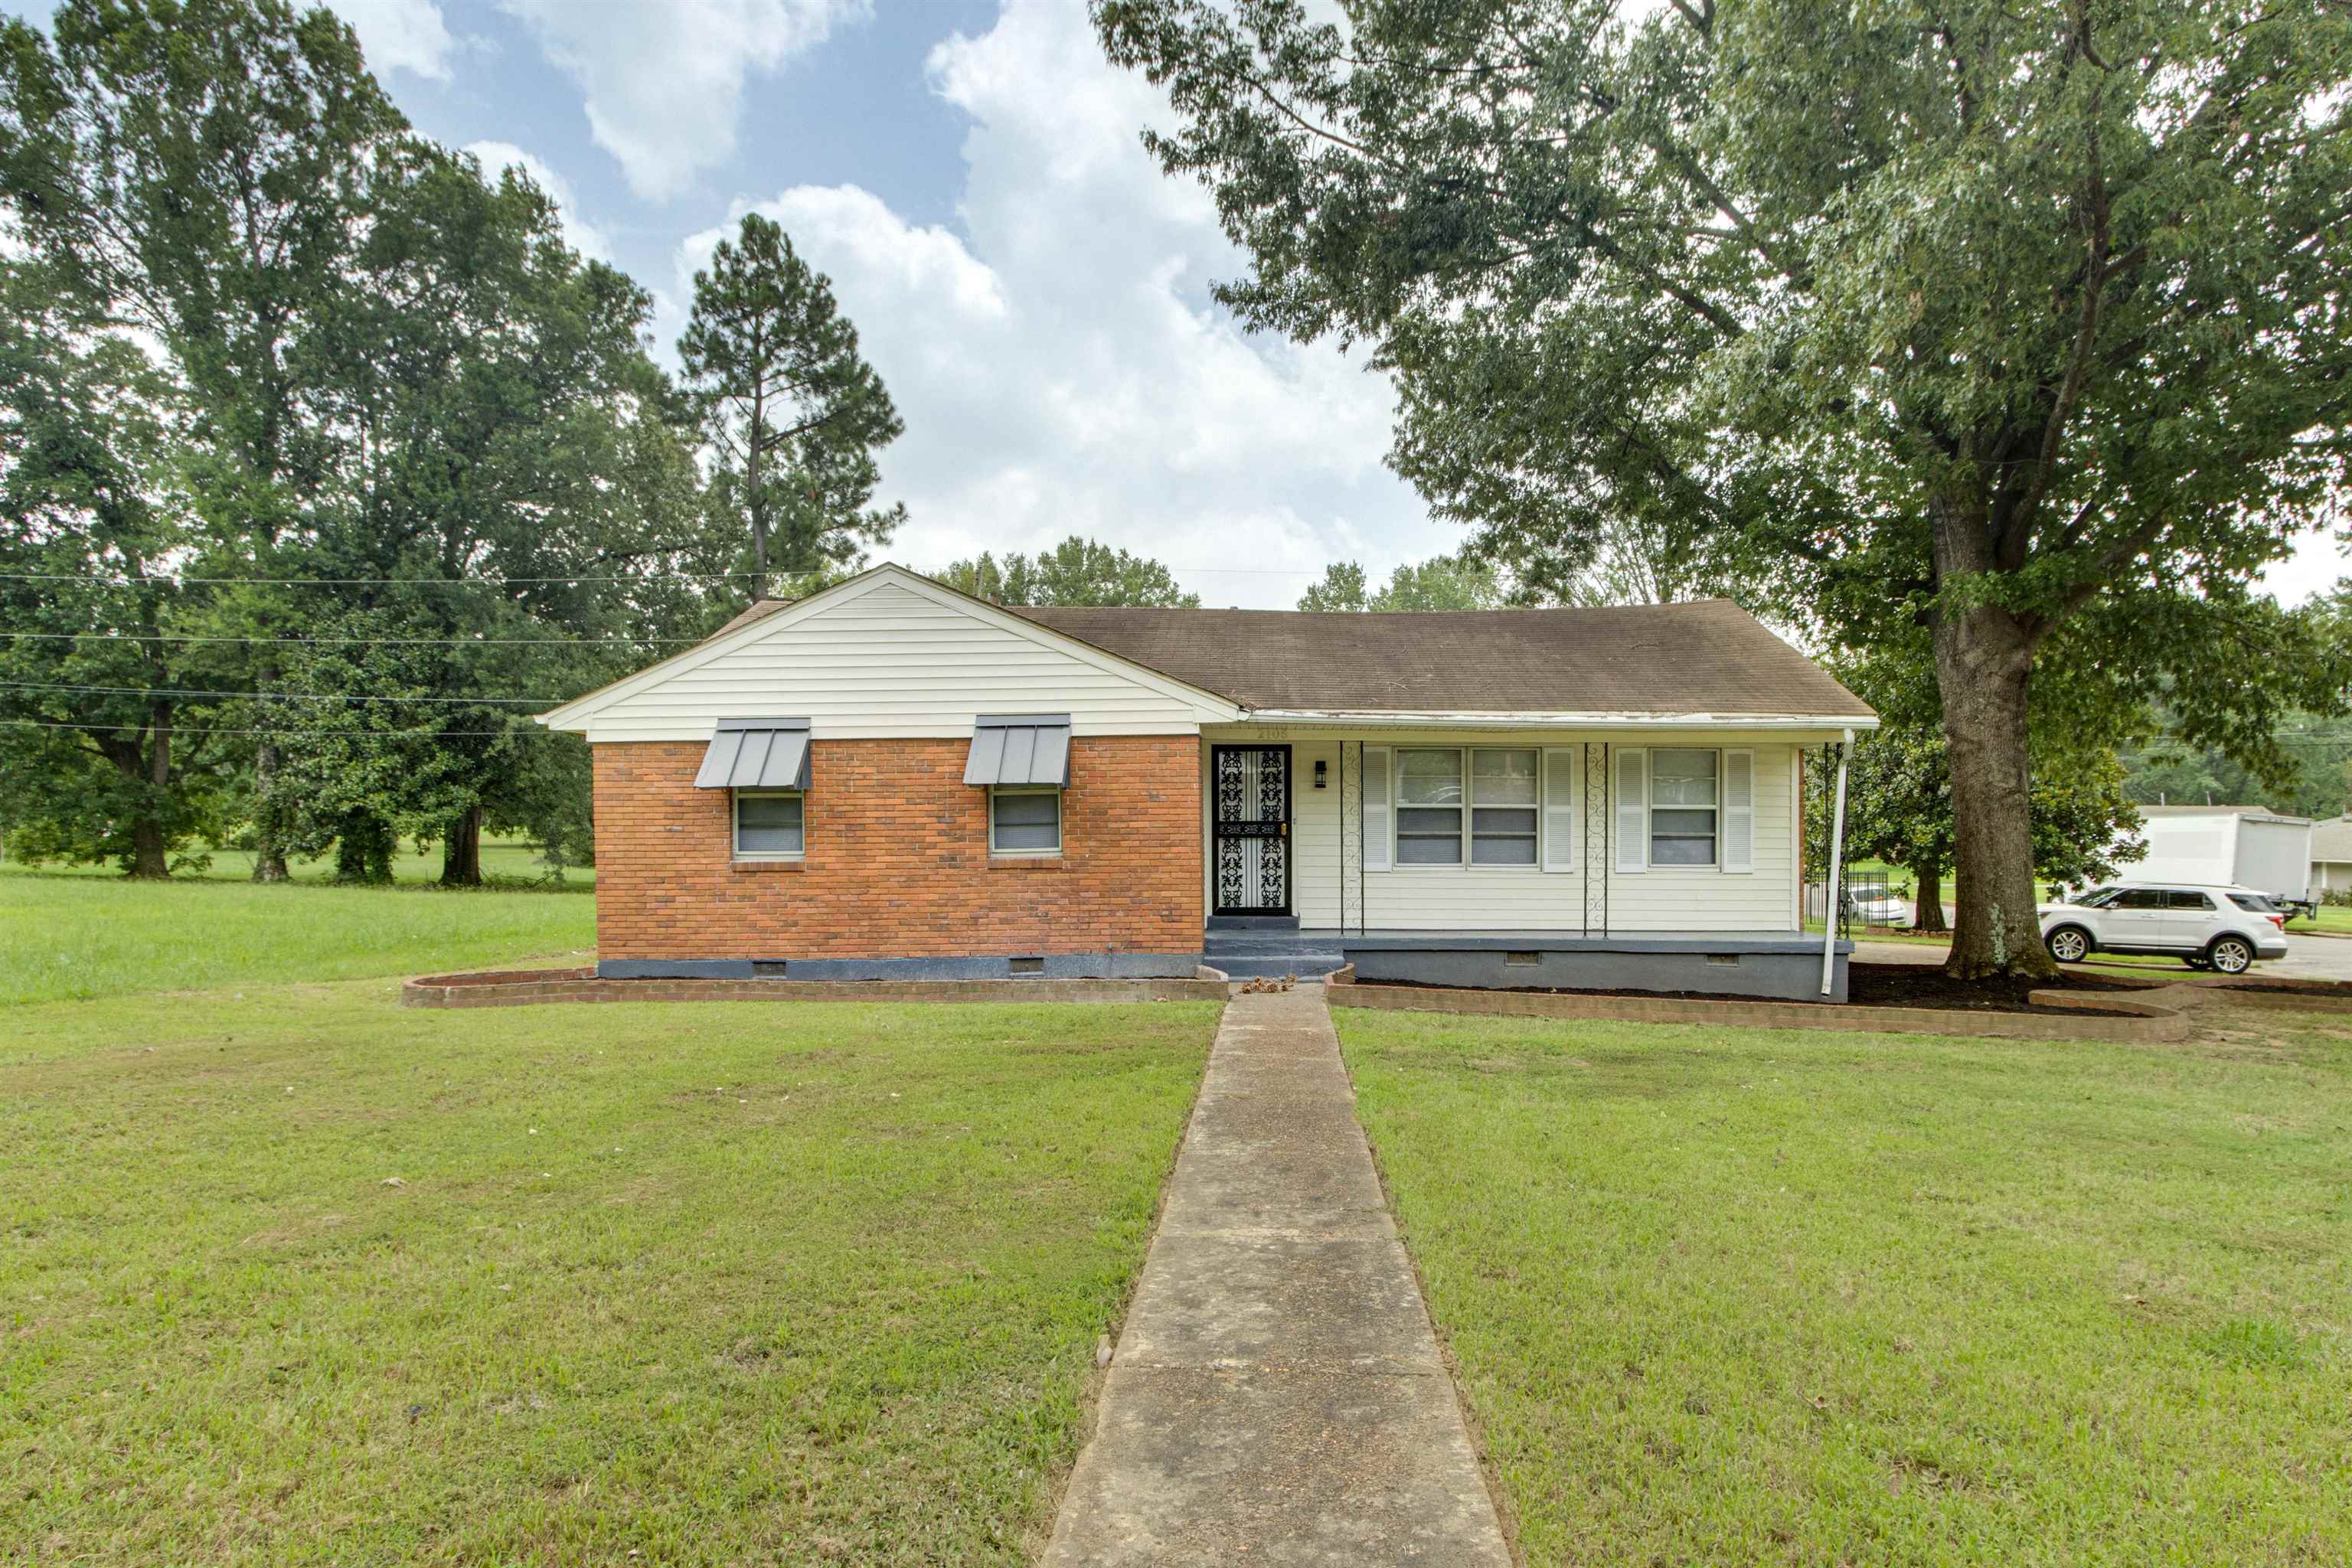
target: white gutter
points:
(1831, 907)
(1386, 718)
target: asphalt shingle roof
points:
(1705, 656)
(1709, 655)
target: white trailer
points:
(2242, 846)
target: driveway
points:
(2307, 957)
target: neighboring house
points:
(2229, 845)
(890, 778)
(2331, 855)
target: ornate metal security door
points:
(1250, 829)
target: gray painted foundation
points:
(1047, 966)
(1780, 969)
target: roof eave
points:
(1385, 719)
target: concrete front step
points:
(1274, 967)
(1253, 922)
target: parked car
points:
(2206, 925)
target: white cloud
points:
(401, 35)
(582, 235)
(1062, 369)
(664, 78)
(2320, 561)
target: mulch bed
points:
(1874, 985)
(1924, 985)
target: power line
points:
(341, 642)
(345, 734)
(274, 696)
(572, 580)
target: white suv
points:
(2208, 926)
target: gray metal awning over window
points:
(1020, 749)
(757, 754)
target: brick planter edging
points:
(517, 988)
(2108, 1018)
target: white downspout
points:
(1837, 866)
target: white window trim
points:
(735, 824)
(1398, 807)
(1649, 818)
(994, 853)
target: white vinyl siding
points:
(889, 663)
(1562, 766)
(1661, 900)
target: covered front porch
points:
(1662, 857)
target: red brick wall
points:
(898, 863)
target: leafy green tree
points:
(793, 414)
(1440, 583)
(92, 509)
(2017, 322)
(196, 171)
(1078, 571)
(1899, 803)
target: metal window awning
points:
(757, 754)
(1020, 749)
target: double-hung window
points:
(1025, 820)
(1503, 805)
(1429, 807)
(1485, 799)
(1685, 805)
(769, 825)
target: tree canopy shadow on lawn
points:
(1740, 1296)
(305, 1278)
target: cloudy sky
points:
(1032, 289)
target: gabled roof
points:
(1707, 657)
(1704, 658)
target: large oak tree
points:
(2020, 322)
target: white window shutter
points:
(1739, 811)
(1632, 809)
(1560, 770)
(1376, 808)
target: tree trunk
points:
(149, 861)
(1984, 662)
(363, 850)
(461, 851)
(270, 848)
(1927, 905)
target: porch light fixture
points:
(1322, 772)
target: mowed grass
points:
(1750, 1297)
(76, 937)
(508, 859)
(305, 1278)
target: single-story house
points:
(892, 779)
(2331, 855)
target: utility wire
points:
(506, 581)
(343, 642)
(274, 696)
(346, 734)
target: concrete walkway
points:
(1277, 1395)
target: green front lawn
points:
(304, 1277)
(1735, 1295)
(66, 936)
